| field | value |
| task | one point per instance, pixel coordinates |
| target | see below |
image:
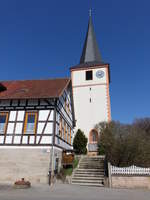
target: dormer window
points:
(89, 75)
(2, 87)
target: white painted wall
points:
(79, 77)
(87, 113)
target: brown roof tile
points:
(33, 89)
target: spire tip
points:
(90, 12)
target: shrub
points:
(80, 142)
(124, 145)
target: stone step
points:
(88, 175)
(96, 168)
(91, 160)
(92, 166)
(90, 170)
(97, 161)
(87, 181)
(89, 184)
(88, 178)
(87, 172)
(83, 165)
(92, 163)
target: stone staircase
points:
(90, 171)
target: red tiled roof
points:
(31, 89)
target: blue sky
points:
(43, 38)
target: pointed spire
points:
(90, 51)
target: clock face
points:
(99, 74)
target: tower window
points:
(89, 75)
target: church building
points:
(90, 85)
(38, 118)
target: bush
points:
(124, 145)
(80, 143)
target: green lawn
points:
(68, 171)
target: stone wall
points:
(130, 182)
(31, 164)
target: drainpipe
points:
(51, 169)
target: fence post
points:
(109, 175)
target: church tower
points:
(90, 83)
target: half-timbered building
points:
(90, 85)
(35, 115)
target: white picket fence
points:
(132, 170)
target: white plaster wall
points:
(25, 140)
(20, 115)
(87, 113)
(43, 114)
(1, 139)
(46, 140)
(9, 139)
(17, 139)
(49, 128)
(12, 115)
(79, 77)
(19, 127)
(40, 127)
(10, 128)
